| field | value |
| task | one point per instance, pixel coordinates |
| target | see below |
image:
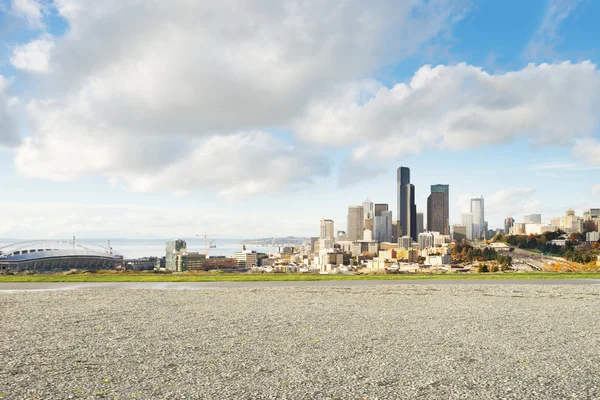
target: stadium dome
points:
(49, 256)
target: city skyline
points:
(271, 135)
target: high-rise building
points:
(478, 211)
(459, 232)
(395, 234)
(405, 242)
(591, 219)
(407, 210)
(313, 242)
(420, 223)
(356, 223)
(571, 223)
(533, 219)
(174, 249)
(379, 208)
(467, 221)
(327, 229)
(592, 213)
(383, 226)
(368, 209)
(438, 209)
(508, 223)
(426, 240)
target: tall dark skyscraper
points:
(438, 209)
(407, 209)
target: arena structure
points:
(50, 256)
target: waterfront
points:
(137, 248)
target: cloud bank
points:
(459, 107)
(183, 84)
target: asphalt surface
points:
(380, 341)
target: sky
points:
(155, 119)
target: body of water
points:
(135, 248)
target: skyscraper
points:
(382, 224)
(467, 221)
(420, 223)
(383, 227)
(407, 210)
(175, 249)
(356, 222)
(327, 231)
(477, 209)
(438, 209)
(368, 209)
(508, 223)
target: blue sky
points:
(118, 120)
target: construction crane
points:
(205, 248)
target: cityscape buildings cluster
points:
(375, 239)
(373, 231)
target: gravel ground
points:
(384, 342)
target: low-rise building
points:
(391, 254)
(246, 259)
(220, 262)
(592, 236)
(518, 228)
(538, 229)
(193, 261)
(378, 264)
(360, 246)
(438, 260)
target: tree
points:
(470, 255)
(482, 268)
(576, 237)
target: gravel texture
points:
(384, 342)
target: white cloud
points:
(546, 37)
(235, 165)
(508, 202)
(32, 10)
(222, 66)
(588, 149)
(33, 56)
(119, 89)
(595, 190)
(552, 165)
(9, 136)
(459, 107)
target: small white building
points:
(592, 236)
(438, 260)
